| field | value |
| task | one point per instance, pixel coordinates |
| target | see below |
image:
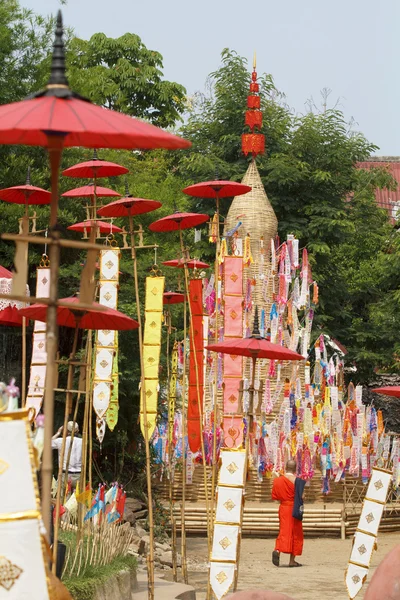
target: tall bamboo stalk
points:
(145, 425)
(184, 422)
(170, 465)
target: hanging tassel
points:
(223, 251)
(247, 256)
(315, 293)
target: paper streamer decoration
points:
(172, 394)
(151, 350)
(196, 372)
(233, 365)
(37, 378)
(228, 521)
(22, 551)
(105, 382)
(364, 542)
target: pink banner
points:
(231, 395)
(233, 432)
(233, 316)
(233, 275)
(233, 365)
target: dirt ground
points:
(321, 576)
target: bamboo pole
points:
(23, 387)
(214, 452)
(145, 425)
(199, 399)
(60, 478)
(170, 461)
(55, 144)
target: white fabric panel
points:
(34, 402)
(101, 397)
(232, 471)
(378, 485)
(22, 570)
(37, 380)
(109, 264)
(16, 478)
(104, 363)
(106, 338)
(42, 283)
(363, 547)
(221, 578)
(225, 541)
(354, 578)
(39, 354)
(370, 518)
(229, 505)
(108, 294)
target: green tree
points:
(124, 75)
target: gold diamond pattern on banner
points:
(229, 505)
(221, 577)
(362, 549)
(107, 296)
(3, 466)
(356, 579)
(109, 264)
(9, 573)
(225, 543)
(104, 363)
(378, 485)
(234, 277)
(232, 468)
(370, 517)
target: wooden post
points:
(184, 422)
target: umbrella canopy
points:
(95, 168)
(58, 110)
(389, 390)
(179, 221)
(254, 347)
(68, 316)
(10, 317)
(128, 206)
(216, 189)
(88, 191)
(173, 298)
(25, 194)
(192, 263)
(101, 226)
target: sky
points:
(351, 47)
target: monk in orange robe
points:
(290, 538)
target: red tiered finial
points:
(253, 143)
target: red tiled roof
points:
(385, 198)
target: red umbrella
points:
(98, 318)
(9, 316)
(178, 221)
(25, 194)
(173, 298)
(95, 168)
(90, 191)
(217, 189)
(192, 263)
(101, 226)
(389, 390)
(128, 207)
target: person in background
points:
(75, 463)
(290, 538)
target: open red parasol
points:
(173, 298)
(179, 221)
(192, 263)
(68, 316)
(102, 226)
(9, 313)
(128, 207)
(389, 390)
(95, 168)
(216, 189)
(25, 194)
(90, 191)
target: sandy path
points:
(322, 575)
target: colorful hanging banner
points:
(196, 365)
(151, 350)
(37, 377)
(172, 394)
(105, 384)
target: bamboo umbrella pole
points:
(60, 479)
(184, 421)
(82, 484)
(199, 399)
(150, 561)
(170, 460)
(55, 151)
(23, 387)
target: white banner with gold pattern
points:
(106, 341)
(232, 471)
(37, 376)
(221, 578)
(229, 505)
(364, 542)
(225, 543)
(22, 570)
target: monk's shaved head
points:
(291, 466)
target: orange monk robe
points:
(290, 538)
